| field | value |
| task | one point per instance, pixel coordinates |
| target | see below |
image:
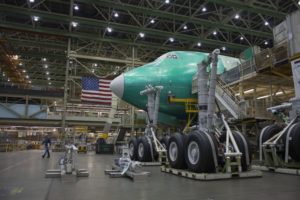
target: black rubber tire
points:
(205, 163)
(240, 143)
(164, 141)
(133, 154)
(269, 132)
(294, 143)
(146, 155)
(179, 140)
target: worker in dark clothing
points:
(47, 143)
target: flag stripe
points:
(96, 90)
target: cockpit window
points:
(172, 56)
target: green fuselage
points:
(174, 71)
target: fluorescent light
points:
(185, 27)
(215, 33)
(76, 7)
(266, 23)
(204, 9)
(279, 93)
(248, 91)
(142, 35)
(36, 18)
(237, 16)
(171, 39)
(263, 97)
(152, 21)
(109, 29)
(199, 44)
(116, 14)
(74, 24)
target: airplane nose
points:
(117, 86)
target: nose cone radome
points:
(117, 86)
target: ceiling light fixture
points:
(241, 38)
(199, 44)
(167, 1)
(266, 23)
(152, 21)
(24, 71)
(223, 48)
(50, 83)
(36, 18)
(29, 82)
(27, 76)
(74, 24)
(31, 1)
(76, 7)
(204, 9)
(237, 16)
(116, 14)
(47, 73)
(215, 33)
(185, 27)
(266, 42)
(142, 35)
(46, 66)
(171, 39)
(109, 29)
(44, 59)
(48, 78)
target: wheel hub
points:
(173, 151)
(141, 150)
(193, 153)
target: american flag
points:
(95, 90)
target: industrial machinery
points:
(67, 165)
(125, 167)
(279, 143)
(206, 148)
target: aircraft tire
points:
(269, 132)
(244, 147)
(199, 153)
(294, 145)
(143, 150)
(175, 150)
(132, 145)
(164, 141)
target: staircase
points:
(227, 98)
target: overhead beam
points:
(251, 8)
(105, 59)
(129, 28)
(174, 16)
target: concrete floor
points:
(22, 177)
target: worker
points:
(47, 143)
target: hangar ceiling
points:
(112, 35)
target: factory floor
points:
(22, 177)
